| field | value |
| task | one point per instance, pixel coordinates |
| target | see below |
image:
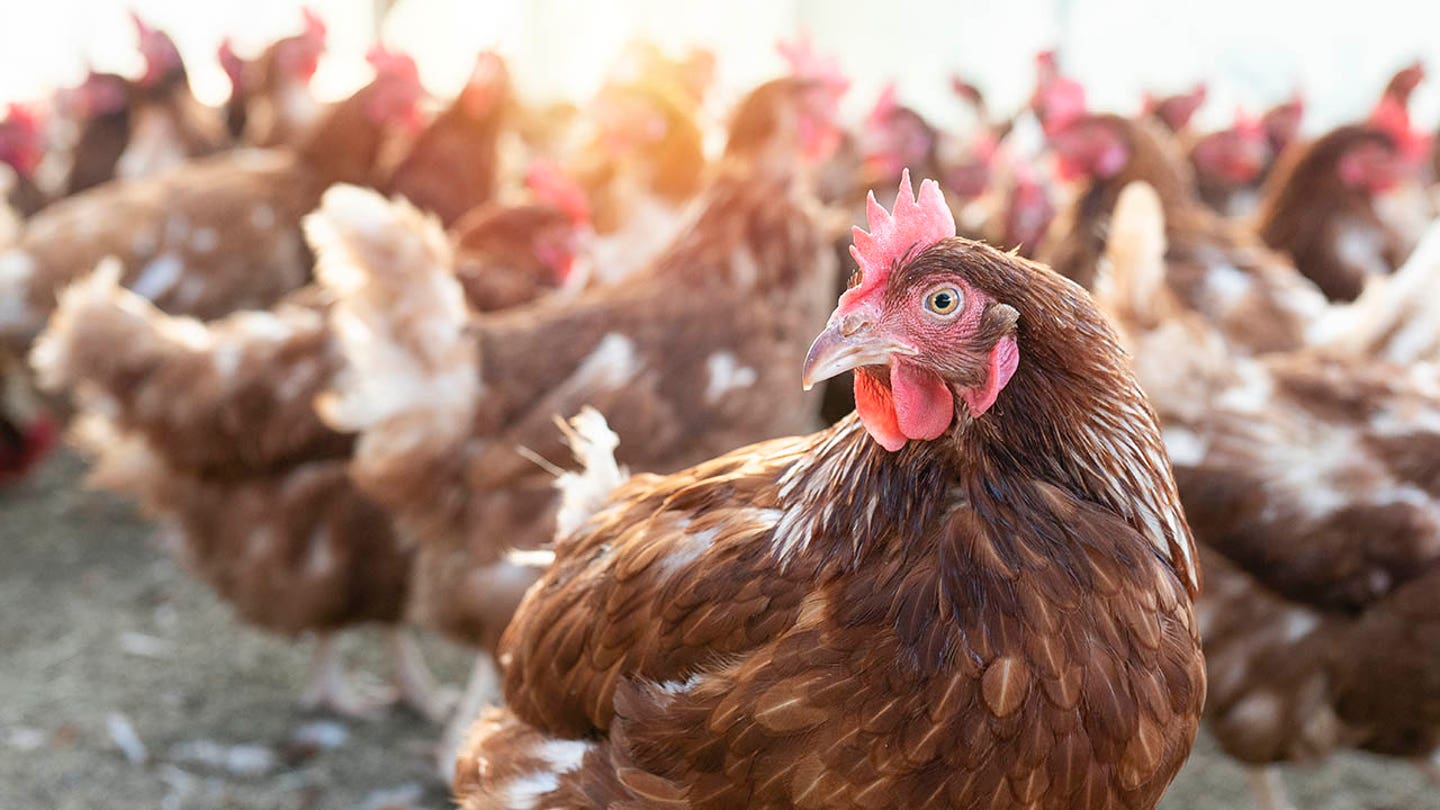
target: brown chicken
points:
(1218, 268)
(212, 429)
(984, 602)
(685, 358)
(1310, 481)
(453, 166)
(143, 127)
(210, 237)
(894, 137)
(270, 101)
(1344, 206)
(1229, 165)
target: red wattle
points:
(876, 406)
(924, 406)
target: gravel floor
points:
(126, 685)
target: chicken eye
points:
(856, 276)
(943, 301)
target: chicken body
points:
(1309, 478)
(819, 622)
(212, 429)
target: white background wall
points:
(1252, 51)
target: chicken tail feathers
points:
(582, 493)
(399, 316)
(1131, 279)
(409, 377)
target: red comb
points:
(1060, 104)
(392, 64)
(1392, 118)
(915, 224)
(807, 63)
(966, 90)
(314, 24)
(550, 185)
(27, 117)
(1047, 65)
(1405, 80)
(231, 62)
(1248, 126)
(142, 28)
(885, 105)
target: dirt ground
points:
(106, 647)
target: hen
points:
(146, 126)
(1345, 207)
(1229, 165)
(1310, 481)
(212, 429)
(212, 236)
(453, 166)
(270, 101)
(986, 601)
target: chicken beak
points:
(842, 347)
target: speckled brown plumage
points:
(978, 620)
(1310, 481)
(213, 430)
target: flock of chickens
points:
(329, 348)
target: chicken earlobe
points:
(1004, 359)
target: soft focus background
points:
(1252, 53)
(150, 694)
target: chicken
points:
(210, 237)
(975, 593)
(162, 124)
(1220, 269)
(270, 100)
(649, 127)
(1345, 206)
(212, 429)
(1229, 165)
(1309, 479)
(453, 165)
(686, 359)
